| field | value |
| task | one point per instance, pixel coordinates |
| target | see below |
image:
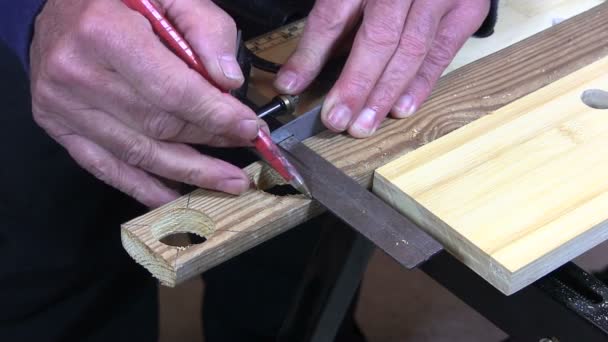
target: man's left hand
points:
(400, 50)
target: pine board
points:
(517, 193)
(234, 224)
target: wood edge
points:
(476, 259)
(559, 256)
(188, 265)
(143, 255)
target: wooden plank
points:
(518, 193)
(239, 223)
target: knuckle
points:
(218, 21)
(308, 61)
(322, 21)
(135, 190)
(358, 87)
(226, 21)
(41, 117)
(380, 34)
(412, 46)
(384, 94)
(163, 126)
(43, 95)
(171, 93)
(441, 54)
(102, 169)
(194, 176)
(139, 153)
(59, 66)
(425, 81)
(121, 181)
(214, 118)
(92, 24)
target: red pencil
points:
(267, 149)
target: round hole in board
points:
(183, 239)
(182, 227)
(282, 190)
(595, 98)
(269, 181)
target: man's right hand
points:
(124, 106)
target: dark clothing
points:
(66, 276)
(16, 26)
(17, 19)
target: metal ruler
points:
(276, 38)
(362, 210)
(337, 192)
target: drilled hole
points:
(595, 98)
(267, 178)
(182, 227)
(282, 190)
(182, 239)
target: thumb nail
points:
(230, 67)
(248, 129)
(287, 81)
(235, 186)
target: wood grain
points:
(518, 193)
(460, 97)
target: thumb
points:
(212, 34)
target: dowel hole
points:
(269, 181)
(183, 227)
(595, 98)
(183, 239)
(282, 190)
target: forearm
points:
(16, 26)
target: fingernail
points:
(234, 186)
(230, 67)
(366, 122)
(287, 81)
(263, 126)
(248, 129)
(339, 117)
(405, 107)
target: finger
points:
(420, 28)
(212, 34)
(374, 44)
(169, 160)
(107, 168)
(132, 49)
(454, 30)
(327, 22)
(132, 110)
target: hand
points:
(124, 106)
(400, 50)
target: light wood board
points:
(517, 193)
(234, 224)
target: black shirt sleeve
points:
(487, 27)
(17, 26)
